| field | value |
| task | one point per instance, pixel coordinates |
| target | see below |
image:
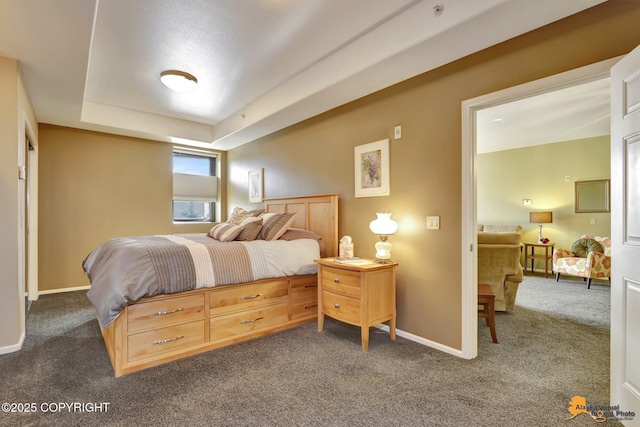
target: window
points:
(195, 187)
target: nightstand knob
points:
(336, 280)
(336, 305)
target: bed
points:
(153, 330)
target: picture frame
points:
(593, 196)
(372, 169)
(256, 186)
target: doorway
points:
(470, 109)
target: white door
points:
(625, 233)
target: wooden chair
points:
(486, 298)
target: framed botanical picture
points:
(255, 186)
(372, 169)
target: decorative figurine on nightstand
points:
(383, 226)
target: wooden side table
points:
(486, 298)
(362, 295)
(532, 255)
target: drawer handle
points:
(251, 296)
(336, 280)
(310, 306)
(310, 286)
(162, 313)
(251, 320)
(168, 340)
(336, 305)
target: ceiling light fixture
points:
(179, 81)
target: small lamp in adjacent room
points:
(540, 218)
(383, 226)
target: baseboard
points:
(13, 348)
(61, 290)
(422, 341)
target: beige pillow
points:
(252, 227)
(274, 225)
(299, 233)
(225, 232)
(240, 214)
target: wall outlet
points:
(433, 223)
(567, 178)
(526, 202)
(592, 221)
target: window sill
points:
(192, 222)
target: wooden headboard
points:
(316, 213)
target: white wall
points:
(15, 109)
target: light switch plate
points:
(397, 132)
(433, 223)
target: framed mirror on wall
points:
(592, 196)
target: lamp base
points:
(383, 251)
(383, 261)
(540, 234)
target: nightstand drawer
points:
(344, 282)
(164, 312)
(344, 308)
(153, 343)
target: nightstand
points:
(362, 295)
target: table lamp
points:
(540, 218)
(383, 226)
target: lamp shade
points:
(540, 217)
(383, 225)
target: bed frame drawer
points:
(304, 288)
(165, 340)
(164, 312)
(237, 324)
(304, 308)
(234, 298)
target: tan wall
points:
(93, 187)
(538, 173)
(316, 156)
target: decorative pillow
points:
(225, 232)
(252, 227)
(239, 214)
(299, 233)
(582, 247)
(275, 224)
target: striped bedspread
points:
(125, 269)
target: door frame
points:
(31, 263)
(470, 108)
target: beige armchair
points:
(499, 266)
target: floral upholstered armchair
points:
(589, 258)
